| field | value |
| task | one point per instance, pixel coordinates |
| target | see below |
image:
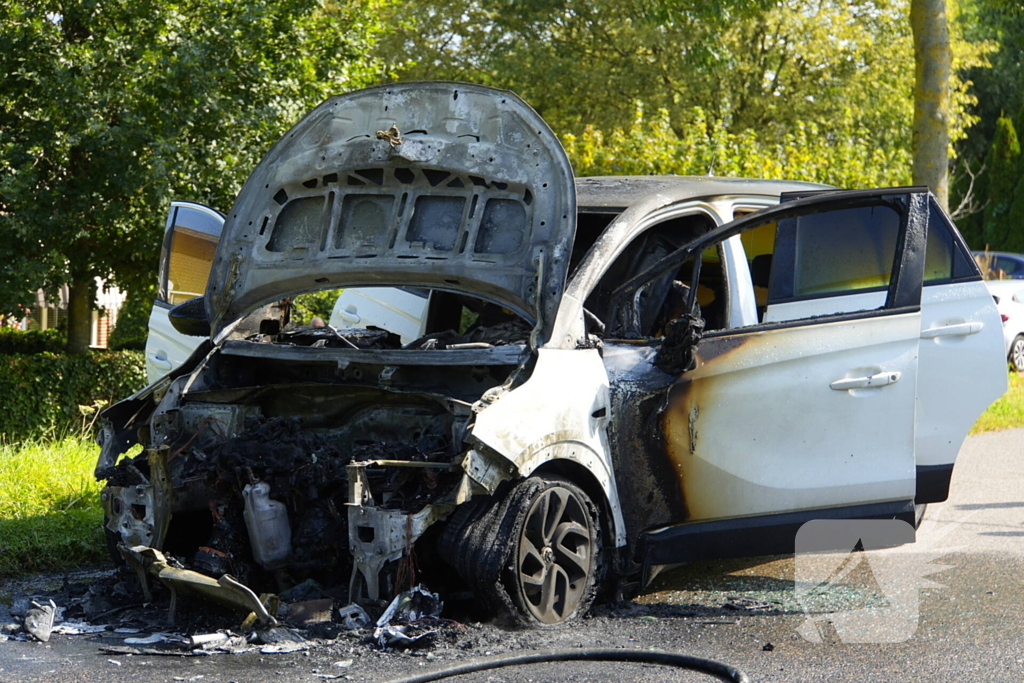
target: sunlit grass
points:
(50, 516)
(1007, 412)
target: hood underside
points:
(439, 185)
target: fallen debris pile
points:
(110, 608)
(411, 620)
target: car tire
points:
(1016, 356)
(493, 544)
(555, 557)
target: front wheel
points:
(533, 554)
(555, 551)
(1016, 356)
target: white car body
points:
(398, 310)
(688, 368)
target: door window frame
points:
(906, 280)
(168, 240)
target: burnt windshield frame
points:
(910, 202)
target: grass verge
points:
(50, 515)
(1008, 410)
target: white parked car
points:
(614, 374)
(1009, 298)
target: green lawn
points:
(50, 516)
(1007, 412)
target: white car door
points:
(807, 417)
(814, 409)
(962, 364)
(190, 240)
(961, 368)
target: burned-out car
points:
(617, 374)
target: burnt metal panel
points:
(908, 269)
(446, 186)
(649, 485)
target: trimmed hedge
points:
(132, 327)
(33, 341)
(41, 393)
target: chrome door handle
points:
(349, 317)
(880, 379)
(159, 363)
(960, 330)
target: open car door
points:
(190, 240)
(802, 406)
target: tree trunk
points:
(931, 96)
(80, 297)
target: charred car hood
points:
(440, 185)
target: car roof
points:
(618, 192)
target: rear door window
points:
(946, 256)
(836, 252)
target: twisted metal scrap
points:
(392, 135)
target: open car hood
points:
(438, 185)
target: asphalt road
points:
(967, 626)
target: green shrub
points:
(133, 321)
(51, 542)
(48, 393)
(305, 307)
(33, 341)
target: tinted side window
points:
(190, 254)
(945, 257)
(835, 252)
(938, 255)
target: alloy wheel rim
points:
(555, 555)
(1018, 354)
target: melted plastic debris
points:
(410, 620)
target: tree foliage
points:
(650, 145)
(1003, 166)
(987, 180)
(132, 328)
(107, 109)
(305, 307)
(817, 89)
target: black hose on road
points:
(710, 667)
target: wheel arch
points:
(580, 475)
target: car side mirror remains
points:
(676, 354)
(190, 319)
